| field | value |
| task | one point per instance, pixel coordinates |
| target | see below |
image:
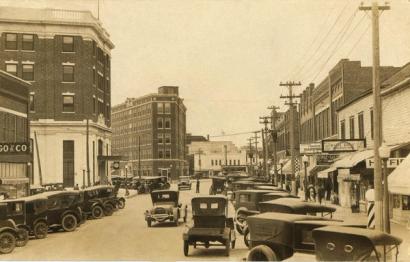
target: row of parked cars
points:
(36, 215)
(144, 184)
(276, 225)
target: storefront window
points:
(396, 201)
(406, 202)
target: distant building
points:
(191, 157)
(211, 156)
(65, 55)
(15, 157)
(152, 128)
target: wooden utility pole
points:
(265, 132)
(274, 141)
(377, 120)
(290, 85)
(226, 154)
(256, 147)
(40, 175)
(250, 153)
(199, 153)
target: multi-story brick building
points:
(15, 156)
(152, 129)
(65, 55)
(283, 127)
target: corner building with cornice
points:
(65, 55)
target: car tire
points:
(262, 253)
(186, 248)
(149, 223)
(97, 212)
(40, 230)
(227, 247)
(108, 209)
(7, 242)
(121, 203)
(22, 237)
(246, 237)
(69, 223)
(239, 229)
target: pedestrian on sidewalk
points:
(197, 185)
(76, 187)
(321, 194)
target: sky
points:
(229, 56)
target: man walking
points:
(197, 185)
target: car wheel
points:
(186, 248)
(69, 223)
(246, 238)
(121, 203)
(262, 253)
(149, 223)
(227, 247)
(22, 237)
(108, 209)
(7, 242)
(239, 229)
(97, 212)
(40, 230)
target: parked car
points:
(277, 194)
(335, 243)
(9, 232)
(98, 201)
(277, 236)
(64, 210)
(273, 188)
(184, 182)
(147, 184)
(29, 214)
(166, 207)
(53, 187)
(36, 189)
(218, 185)
(109, 195)
(210, 224)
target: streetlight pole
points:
(305, 160)
(384, 153)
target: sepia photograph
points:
(204, 130)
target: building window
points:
(94, 76)
(160, 108)
(351, 126)
(11, 69)
(406, 202)
(167, 139)
(234, 162)
(342, 129)
(361, 125)
(220, 162)
(239, 162)
(94, 105)
(168, 153)
(212, 162)
(160, 123)
(371, 123)
(230, 162)
(31, 103)
(28, 72)
(160, 139)
(11, 41)
(167, 123)
(68, 73)
(68, 103)
(160, 153)
(68, 44)
(28, 42)
(167, 108)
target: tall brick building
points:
(158, 121)
(65, 55)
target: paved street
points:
(123, 236)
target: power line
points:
(236, 134)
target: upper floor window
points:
(168, 153)
(160, 153)
(11, 69)
(68, 44)
(68, 73)
(68, 103)
(28, 42)
(361, 125)
(31, 103)
(160, 138)
(167, 138)
(351, 124)
(342, 129)
(28, 72)
(160, 123)
(11, 41)
(160, 108)
(167, 107)
(167, 123)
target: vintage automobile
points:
(109, 195)
(218, 185)
(273, 188)
(9, 232)
(166, 207)
(99, 201)
(277, 194)
(277, 236)
(53, 187)
(210, 224)
(36, 189)
(335, 243)
(63, 210)
(246, 203)
(184, 182)
(29, 214)
(147, 184)
(296, 206)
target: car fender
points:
(25, 227)
(121, 199)
(40, 219)
(10, 230)
(71, 212)
(97, 204)
(175, 213)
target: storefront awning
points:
(14, 181)
(353, 159)
(287, 168)
(399, 179)
(325, 173)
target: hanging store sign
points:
(391, 162)
(310, 149)
(326, 159)
(342, 145)
(15, 148)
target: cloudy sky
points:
(229, 56)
